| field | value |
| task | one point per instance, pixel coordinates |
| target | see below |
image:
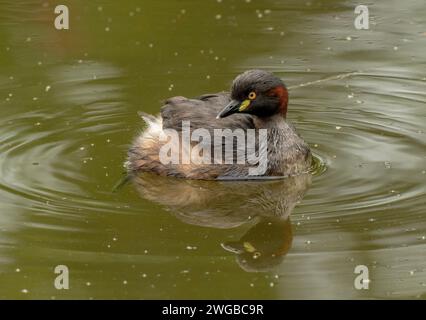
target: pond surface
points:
(68, 112)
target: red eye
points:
(252, 95)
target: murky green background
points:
(68, 112)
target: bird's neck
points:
(275, 121)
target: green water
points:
(68, 112)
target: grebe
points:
(258, 100)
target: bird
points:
(257, 102)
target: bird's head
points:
(259, 93)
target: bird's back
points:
(198, 113)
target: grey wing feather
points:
(201, 113)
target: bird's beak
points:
(232, 107)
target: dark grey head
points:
(259, 93)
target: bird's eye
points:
(252, 95)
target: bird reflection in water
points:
(266, 204)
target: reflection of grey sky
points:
(330, 275)
(86, 82)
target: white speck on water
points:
(35, 98)
(145, 251)
(18, 270)
(151, 45)
(39, 63)
(371, 220)
(252, 285)
(395, 48)
(47, 88)
(10, 95)
(108, 140)
(131, 13)
(88, 284)
(28, 39)
(184, 271)
(191, 248)
(350, 96)
(114, 239)
(81, 148)
(144, 275)
(107, 29)
(207, 76)
(271, 284)
(218, 16)
(37, 124)
(411, 272)
(24, 291)
(349, 38)
(308, 241)
(100, 8)
(338, 127)
(125, 282)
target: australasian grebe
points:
(258, 100)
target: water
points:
(68, 112)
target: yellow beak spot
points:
(249, 247)
(244, 105)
